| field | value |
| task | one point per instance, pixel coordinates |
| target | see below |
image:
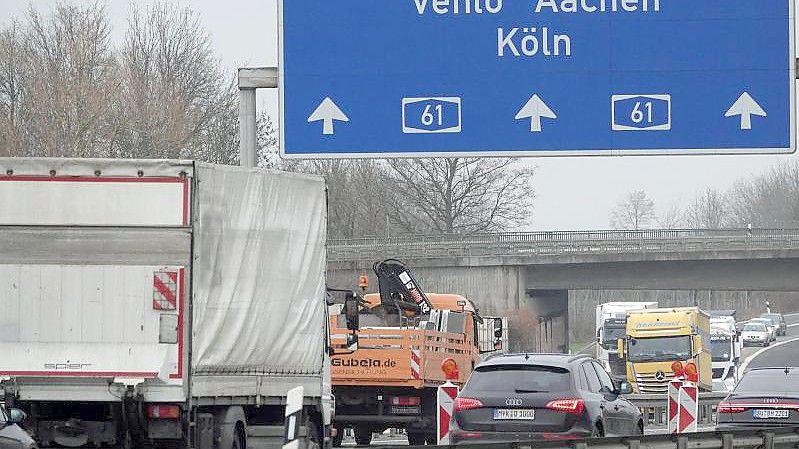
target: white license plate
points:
(520, 414)
(766, 414)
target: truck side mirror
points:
(697, 345)
(352, 342)
(621, 347)
(498, 328)
(351, 312)
(16, 416)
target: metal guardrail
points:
(561, 243)
(653, 407)
(782, 438)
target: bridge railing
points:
(561, 243)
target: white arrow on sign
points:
(534, 110)
(327, 111)
(746, 107)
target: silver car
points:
(772, 328)
(756, 334)
(11, 435)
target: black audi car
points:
(764, 397)
(523, 397)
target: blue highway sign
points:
(394, 78)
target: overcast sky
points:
(572, 193)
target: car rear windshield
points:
(519, 378)
(771, 381)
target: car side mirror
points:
(351, 312)
(16, 416)
(625, 388)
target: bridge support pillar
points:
(552, 308)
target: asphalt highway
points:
(783, 352)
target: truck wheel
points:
(314, 441)
(363, 436)
(415, 439)
(339, 438)
(238, 439)
(430, 439)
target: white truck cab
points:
(726, 350)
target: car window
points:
(604, 378)
(594, 385)
(771, 381)
(3, 417)
(522, 378)
(755, 327)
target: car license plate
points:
(766, 414)
(520, 414)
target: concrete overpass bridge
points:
(536, 270)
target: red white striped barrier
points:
(689, 408)
(446, 401)
(674, 405)
(416, 359)
(165, 290)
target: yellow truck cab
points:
(656, 338)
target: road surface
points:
(785, 352)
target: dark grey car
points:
(764, 397)
(779, 320)
(523, 397)
(11, 435)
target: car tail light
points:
(462, 404)
(469, 435)
(571, 406)
(560, 436)
(163, 411)
(405, 400)
(726, 407)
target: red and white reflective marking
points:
(674, 405)
(689, 409)
(165, 290)
(416, 360)
(446, 402)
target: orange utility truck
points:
(409, 343)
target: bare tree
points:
(173, 99)
(12, 75)
(522, 331)
(57, 79)
(708, 211)
(460, 195)
(673, 218)
(636, 212)
(767, 200)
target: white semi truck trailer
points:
(611, 324)
(161, 303)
